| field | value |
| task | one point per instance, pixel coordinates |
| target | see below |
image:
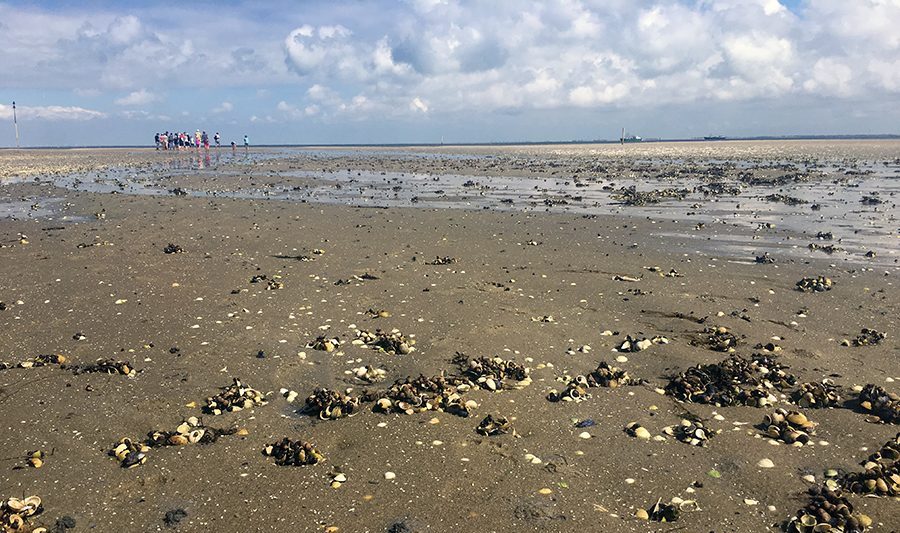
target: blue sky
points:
(353, 71)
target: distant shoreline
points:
(874, 137)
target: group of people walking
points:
(184, 141)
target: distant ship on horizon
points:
(629, 138)
(714, 138)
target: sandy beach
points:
(273, 268)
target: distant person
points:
(205, 138)
(156, 140)
(217, 138)
(197, 139)
(246, 144)
(233, 147)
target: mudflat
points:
(628, 316)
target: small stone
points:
(390, 475)
(765, 463)
(545, 491)
(641, 514)
(340, 478)
(809, 478)
(621, 359)
(748, 501)
(584, 435)
(629, 481)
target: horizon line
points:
(716, 138)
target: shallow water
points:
(857, 227)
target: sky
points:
(422, 71)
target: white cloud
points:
(418, 105)
(138, 98)
(451, 56)
(53, 112)
(224, 107)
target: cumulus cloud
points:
(598, 54)
(53, 112)
(137, 98)
(451, 56)
(224, 107)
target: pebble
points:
(621, 359)
(584, 435)
(641, 514)
(545, 491)
(390, 475)
(765, 463)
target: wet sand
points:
(190, 322)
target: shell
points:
(195, 435)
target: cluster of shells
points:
(869, 337)
(446, 260)
(35, 459)
(107, 366)
(393, 342)
(630, 344)
(604, 375)
(882, 472)
(436, 393)
(369, 373)
(734, 381)
(15, 512)
(666, 512)
(324, 344)
(790, 427)
(271, 284)
(36, 361)
(884, 406)
(331, 405)
(494, 425)
(691, 432)
(816, 284)
(234, 397)
(190, 431)
(765, 259)
(718, 338)
(638, 431)
(130, 453)
(816, 395)
(495, 373)
(293, 453)
(379, 313)
(827, 510)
